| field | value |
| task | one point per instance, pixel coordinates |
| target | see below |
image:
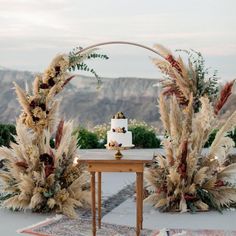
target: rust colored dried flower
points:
(224, 95)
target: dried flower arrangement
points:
(37, 176)
(186, 178)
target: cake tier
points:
(121, 138)
(119, 123)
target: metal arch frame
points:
(120, 42)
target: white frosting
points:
(121, 138)
(119, 123)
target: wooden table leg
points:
(99, 199)
(138, 203)
(141, 201)
(93, 202)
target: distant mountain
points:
(84, 102)
(3, 68)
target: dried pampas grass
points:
(185, 178)
(36, 175)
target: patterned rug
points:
(63, 226)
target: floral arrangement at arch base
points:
(186, 178)
(38, 176)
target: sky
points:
(32, 32)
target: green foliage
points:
(6, 132)
(206, 81)
(74, 59)
(97, 55)
(144, 138)
(86, 139)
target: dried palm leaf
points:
(224, 196)
(210, 183)
(227, 171)
(15, 204)
(229, 124)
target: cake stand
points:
(118, 155)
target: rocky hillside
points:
(84, 102)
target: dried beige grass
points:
(164, 112)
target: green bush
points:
(144, 137)
(86, 139)
(6, 132)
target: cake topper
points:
(119, 115)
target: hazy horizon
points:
(33, 32)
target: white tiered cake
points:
(119, 136)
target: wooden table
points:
(104, 161)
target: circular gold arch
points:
(119, 42)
